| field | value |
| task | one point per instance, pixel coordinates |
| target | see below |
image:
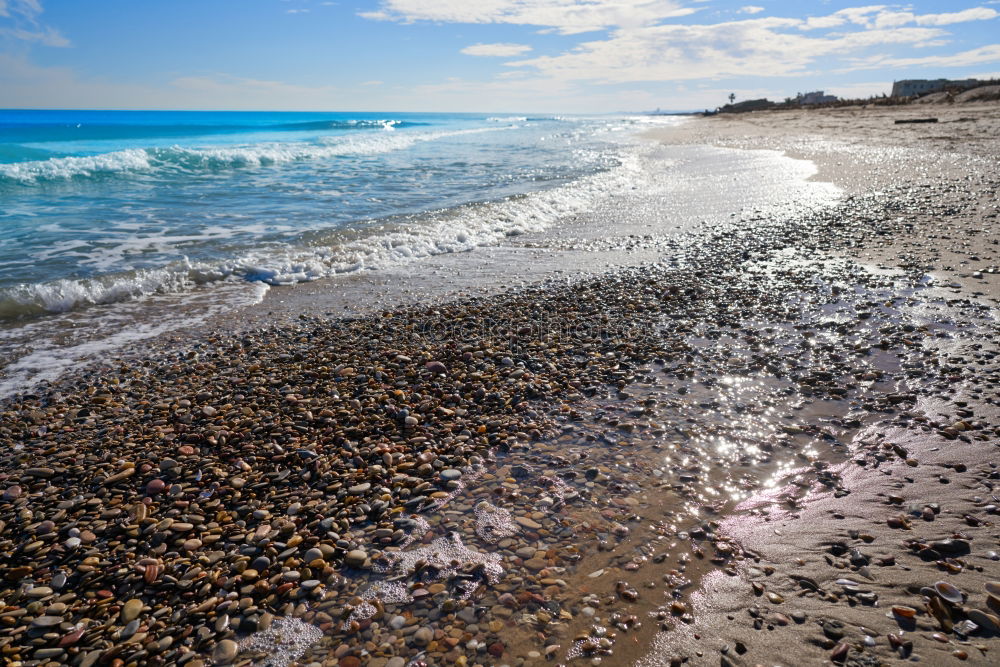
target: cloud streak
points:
(24, 26)
(983, 54)
(503, 50)
(568, 17)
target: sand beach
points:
(756, 427)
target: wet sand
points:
(920, 493)
(747, 441)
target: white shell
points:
(948, 592)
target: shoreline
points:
(560, 429)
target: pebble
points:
(528, 523)
(338, 444)
(356, 558)
(130, 610)
(225, 652)
(423, 636)
(46, 621)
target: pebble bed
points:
(543, 475)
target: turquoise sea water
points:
(100, 207)
(119, 226)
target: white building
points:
(816, 97)
(915, 87)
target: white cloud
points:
(297, 11)
(983, 54)
(24, 25)
(748, 48)
(565, 16)
(894, 19)
(497, 50)
(643, 47)
(45, 36)
(373, 82)
(28, 9)
(888, 19)
(974, 14)
(881, 16)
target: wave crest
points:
(390, 243)
(190, 160)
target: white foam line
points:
(49, 360)
(184, 159)
(453, 230)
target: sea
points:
(118, 226)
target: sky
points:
(584, 56)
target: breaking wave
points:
(185, 160)
(373, 245)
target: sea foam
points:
(383, 245)
(175, 159)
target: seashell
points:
(964, 628)
(948, 592)
(898, 522)
(904, 611)
(992, 587)
(939, 610)
(152, 573)
(987, 622)
(839, 653)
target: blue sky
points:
(476, 55)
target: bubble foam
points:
(493, 523)
(443, 559)
(387, 592)
(284, 642)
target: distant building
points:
(816, 97)
(915, 87)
